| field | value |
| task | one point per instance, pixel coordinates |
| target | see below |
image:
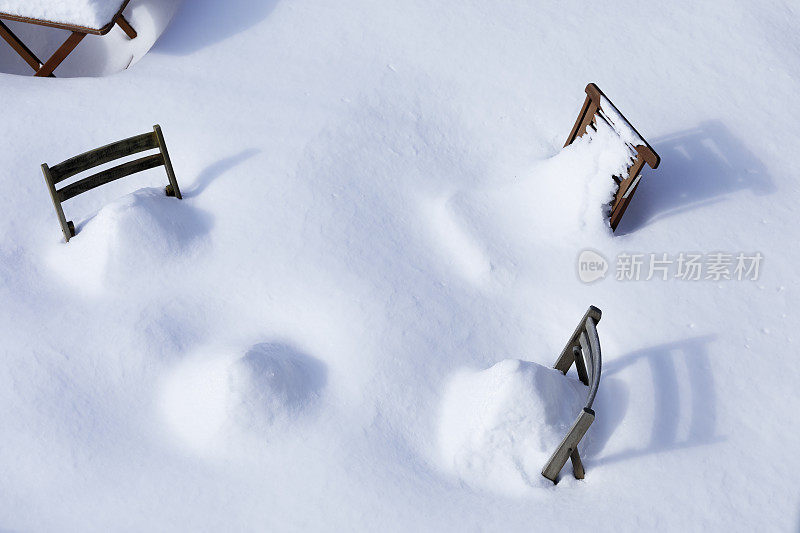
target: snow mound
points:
(564, 199)
(499, 426)
(273, 383)
(138, 234)
(214, 402)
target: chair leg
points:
(61, 54)
(625, 192)
(577, 464)
(172, 189)
(123, 23)
(566, 450)
(580, 364)
(67, 228)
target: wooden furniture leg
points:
(123, 23)
(19, 47)
(63, 51)
(67, 227)
(568, 446)
(625, 192)
(577, 465)
(172, 189)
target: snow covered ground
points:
(341, 326)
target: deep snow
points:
(378, 221)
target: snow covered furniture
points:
(583, 349)
(100, 156)
(598, 105)
(81, 17)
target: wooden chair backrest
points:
(106, 154)
(590, 112)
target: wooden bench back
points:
(590, 112)
(100, 156)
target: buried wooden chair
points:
(597, 105)
(583, 349)
(105, 154)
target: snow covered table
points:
(81, 17)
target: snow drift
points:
(377, 191)
(215, 402)
(499, 426)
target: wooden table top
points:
(82, 16)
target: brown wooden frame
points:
(100, 156)
(644, 152)
(45, 69)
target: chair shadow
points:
(798, 520)
(215, 170)
(666, 434)
(699, 167)
(201, 23)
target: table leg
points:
(63, 51)
(123, 23)
(18, 46)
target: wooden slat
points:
(123, 23)
(565, 359)
(162, 146)
(597, 360)
(581, 117)
(625, 193)
(594, 93)
(107, 176)
(585, 360)
(590, 111)
(577, 465)
(104, 154)
(60, 55)
(64, 26)
(16, 43)
(65, 229)
(51, 24)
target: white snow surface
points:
(621, 126)
(92, 14)
(346, 322)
